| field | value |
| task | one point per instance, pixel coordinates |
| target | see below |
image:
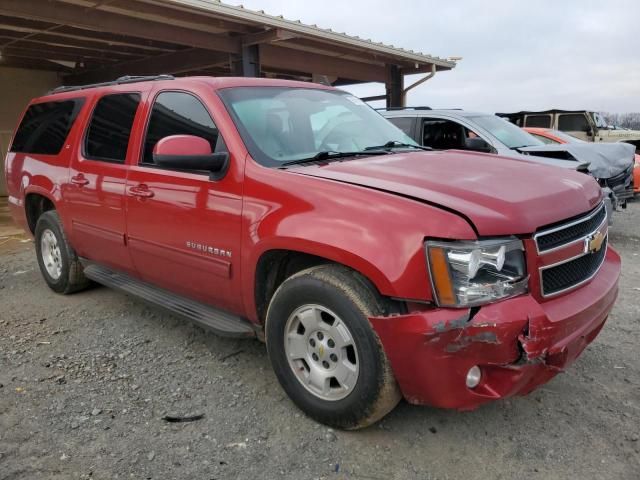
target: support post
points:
(395, 87)
(251, 61)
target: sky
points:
(517, 55)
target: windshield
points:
(506, 132)
(280, 125)
(599, 119)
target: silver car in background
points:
(485, 132)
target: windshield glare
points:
(506, 132)
(280, 124)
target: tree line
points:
(625, 120)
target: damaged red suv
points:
(293, 212)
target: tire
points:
(325, 297)
(58, 262)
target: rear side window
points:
(539, 121)
(45, 127)
(110, 127)
(179, 113)
(573, 122)
(441, 134)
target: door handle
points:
(141, 191)
(79, 180)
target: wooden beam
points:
(296, 60)
(92, 19)
(173, 63)
(268, 36)
(62, 41)
(29, 26)
(77, 52)
(32, 64)
(54, 54)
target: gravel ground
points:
(85, 381)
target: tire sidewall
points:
(50, 221)
(305, 290)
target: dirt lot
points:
(85, 381)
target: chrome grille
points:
(584, 244)
(556, 237)
(572, 273)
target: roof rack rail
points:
(389, 109)
(118, 81)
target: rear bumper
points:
(519, 343)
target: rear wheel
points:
(58, 262)
(324, 352)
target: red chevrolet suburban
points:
(373, 268)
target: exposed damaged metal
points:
(464, 341)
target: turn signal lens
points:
(440, 275)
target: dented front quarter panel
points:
(518, 343)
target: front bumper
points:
(518, 343)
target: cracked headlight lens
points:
(471, 273)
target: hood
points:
(605, 160)
(497, 195)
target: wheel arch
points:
(36, 202)
(273, 266)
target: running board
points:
(220, 322)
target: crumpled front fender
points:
(518, 343)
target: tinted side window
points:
(441, 134)
(45, 127)
(574, 122)
(110, 127)
(540, 121)
(403, 123)
(178, 113)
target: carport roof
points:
(97, 40)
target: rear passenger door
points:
(95, 195)
(183, 226)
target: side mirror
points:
(589, 132)
(188, 152)
(477, 144)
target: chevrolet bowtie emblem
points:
(593, 243)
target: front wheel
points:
(323, 350)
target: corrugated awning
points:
(96, 40)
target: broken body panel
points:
(519, 343)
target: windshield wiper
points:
(525, 146)
(329, 155)
(397, 144)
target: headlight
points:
(466, 274)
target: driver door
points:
(576, 125)
(183, 227)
